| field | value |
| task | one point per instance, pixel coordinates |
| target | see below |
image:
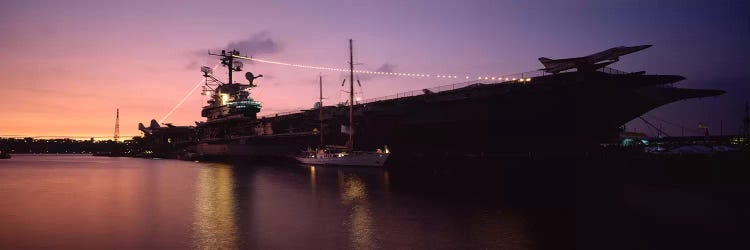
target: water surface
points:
(51, 201)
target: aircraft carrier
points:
(568, 107)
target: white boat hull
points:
(369, 160)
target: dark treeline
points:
(61, 146)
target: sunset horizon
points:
(68, 68)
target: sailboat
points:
(344, 155)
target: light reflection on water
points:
(361, 230)
(214, 224)
(312, 179)
(156, 204)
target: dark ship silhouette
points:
(566, 108)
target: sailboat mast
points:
(351, 95)
(320, 107)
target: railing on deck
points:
(282, 113)
(612, 71)
(506, 79)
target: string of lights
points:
(200, 83)
(385, 73)
(504, 78)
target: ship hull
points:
(256, 146)
(556, 114)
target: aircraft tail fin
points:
(545, 61)
(143, 128)
(154, 124)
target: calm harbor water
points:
(69, 201)
(55, 201)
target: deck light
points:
(224, 99)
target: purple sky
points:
(67, 65)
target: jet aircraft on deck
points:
(591, 62)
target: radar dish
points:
(207, 70)
(237, 66)
(250, 77)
